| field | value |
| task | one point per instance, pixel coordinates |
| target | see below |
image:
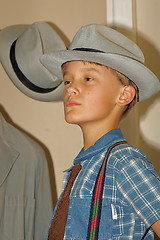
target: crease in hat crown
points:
(116, 42)
(106, 46)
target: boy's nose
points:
(72, 90)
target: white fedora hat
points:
(106, 46)
(20, 49)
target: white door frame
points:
(119, 13)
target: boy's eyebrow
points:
(90, 69)
(65, 72)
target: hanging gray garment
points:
(25, 193)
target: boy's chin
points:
(72, 120)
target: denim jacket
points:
(131, 197)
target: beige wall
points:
(148, 38)
(44, 121)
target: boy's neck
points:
(92, 133)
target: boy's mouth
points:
(72, 103)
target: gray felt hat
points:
(106, 46)
(20, 49)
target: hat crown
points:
(106, 40)
(32, 44)
(21, 47)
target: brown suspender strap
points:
(96, 202)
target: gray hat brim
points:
(146, 81)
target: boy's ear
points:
(126, 96)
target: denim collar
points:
(107, 140)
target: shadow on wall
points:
(47, 153)
(147, 141)
(131, 125)
(149, 146)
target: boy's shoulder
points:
(125, 155)
(129, 166)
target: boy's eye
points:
(67, 82)
(89, 79)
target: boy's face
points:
(90, 94)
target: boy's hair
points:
(126, 82)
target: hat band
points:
(22, 77)
(88, 50)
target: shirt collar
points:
(107, 140)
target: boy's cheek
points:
(64, 97)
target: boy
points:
(104, 76)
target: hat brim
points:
(146, 81)
(7, 37)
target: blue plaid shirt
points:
(131, 197)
